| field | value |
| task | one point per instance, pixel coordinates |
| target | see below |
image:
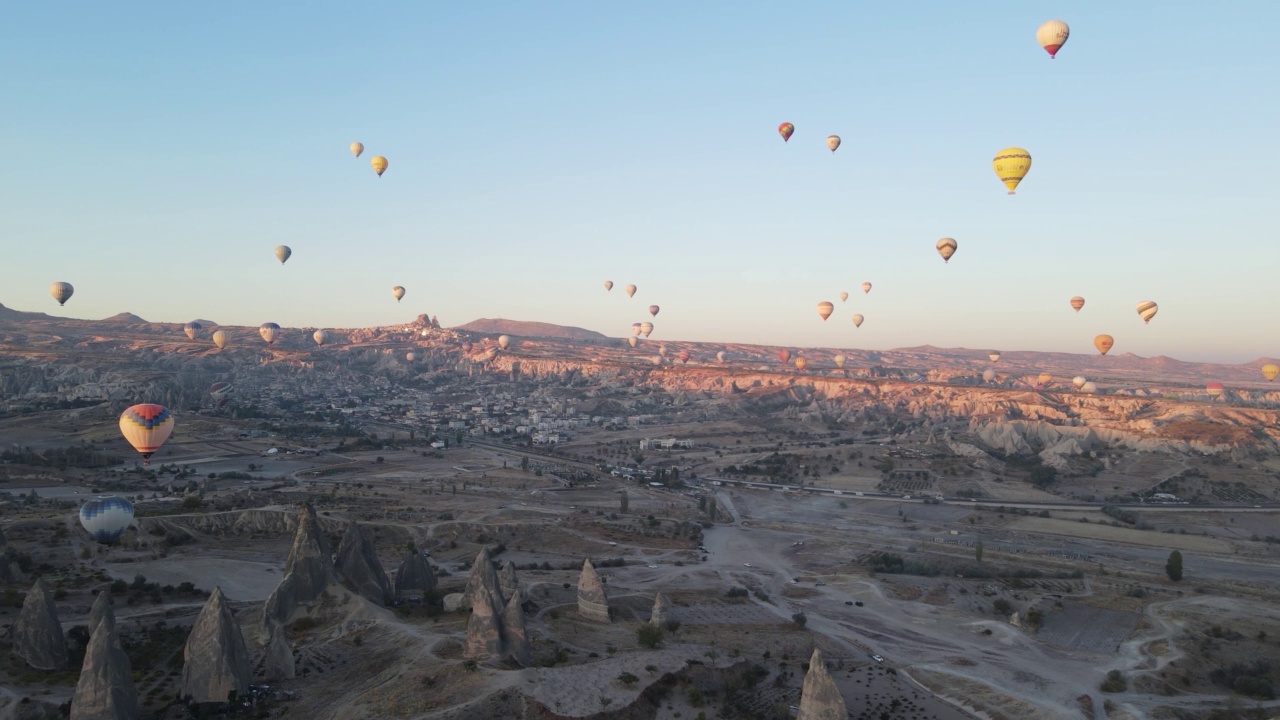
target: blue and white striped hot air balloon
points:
(106, 517)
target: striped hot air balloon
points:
(1147, 309)
(191, 329)
(220, 389)
(61, 291)
(636, 329)
(146, 427)
(683, 356)
(1214, 389)
(221, 338)
(801, 363)
(646, 328)
(786, 129)
(825, 309)
(946, 248)
(269, 332)
(106, 517)
(1077, 302)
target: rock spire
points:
(514, 634)
(592, 602)
(216, 657)
(37, 636)
(483, 575)
(820, 699)
(308, 571)
(414, 577)
(105, 690)
(508, 581)
(661, 608)
(484, 627)
(358, 563)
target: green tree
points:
(524, 463)
(800, 619)
(977, 551)
(1173, 568)
(624, 502)
(649, 636)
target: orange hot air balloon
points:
(1077, 302)
(1214, 389)
(825, 309)
(1104, 343)
(784, 355)
(1044, 378)
(786, 129)
(801, 363)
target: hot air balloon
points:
(785, 130)
(1214, 389)
(994, 356)
(504, 341)
(784, 355)
(1052, 36)
(840, 360)
(632, 341)
(857, 320)
(833, 142)
(656, 359)
(1077, 302)
(269, 332)
(191, 329)
(1270, 371)
(1011, 165)
(282, 253)
(320, 336)
(410, 356)
(801, 363)
(646, 328)
(631, 290)
(662, 350)
(1078, 381)
(844, 296)
(146, 427)
(988, 375)
(946, 248)
(466, 347)
(106, 517)
(825, 309)
(398, 292)
(1089, 387)
(721, 356)
(608, 285)
(220, 338)
(379, 164)
(1104, 343)
(1147, 310)
(683, 356)
(220, 389)
(1044, 378)
(653, 310)
(61, 291)
(357, 148)
(866, 287)
(636, 328)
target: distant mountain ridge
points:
(525, 328)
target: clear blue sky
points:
(156, 152)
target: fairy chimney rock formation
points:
(217, 659)
(37, 636)
(514, 633)
(508, 581)
(415, 577)
(307, 573)
(820, 699)
(661, 608)
(592, 602)
(484, 628)
(358, 563)
(483, 575)
(105, 690)
(277, 663)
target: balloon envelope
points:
(684, 356)
(1214, 389)
(1011, 165)
(146, 426)
(1089, 387)
(282, 253)
(840, 360)
(1147, 310)
(988, 375)
(946, 248)
(866, 287)
(646, 328)
(220, 338)
(1270, 371)
(786, 129)
(608, 285)
(784, 355)
(269, 332)
(721, 356)
(320, 336)
(857, 320)
(1077, 302)
(61, 291)
(504, 342)
(1078, 381)
(106, 517)
(220, 389)
(1044, 378)
(636, 328)
(994, 356)
(379, 164)
(357, 148)
(833, 142)
(398, 292)
(410, 356)
(1052, 36)
(1104, 343)
(825, 309)
(632, 341)
(191, 329)
(653, 310)
(631, 290)
(801, 363)
(844, 296)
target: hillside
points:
(529, 329)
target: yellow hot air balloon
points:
(1104, 343)
(1147, 310)
(398, 292)
(608, 285)
(379, 164)
(844, 296)
(1270, 371)
(1077, 302)
(220, 338)
(146, 427)
(994, 356)
(1052, 36)
(801, 363)
(1011, 165)
(825, 309)
(631, 290)
(857, 320)
(946, 248)
(833, 142)
(1044, 378)
(357, 148)
(840, 360)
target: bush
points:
(1114, 682)
(627, 678)
(649, 636)
(799, 619)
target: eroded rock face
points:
(661, 609)
(37, 636)
(483, 575)
(278, 662)
(105, 690)
(484, 628)
(217, 659)
(592, 602)
(307, 573)
(358, 564)
(820, 699)
(415, 577)
(508, 581)
(514, 633)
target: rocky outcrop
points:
(277, 664)
(508, 581)
(358, 564)
(307, 573)
(483, 576)
(514, 633)
(37, 636)
(592, 602)
(820, 699)
(661, 610)
(217, 660)
(415, 577)
(484, 628)
(105, 690)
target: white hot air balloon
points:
(857, 321)
(833, 142)
(632, 341)
(357, 148)
(646, 328)
(504, 342)
(988, 375)
(840, 361)
(1078, 381)
(631, 290)
(721, 356)
(320, 336)
(1090, 387)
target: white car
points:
(877, 658)
(746, 564)
(653, 567)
